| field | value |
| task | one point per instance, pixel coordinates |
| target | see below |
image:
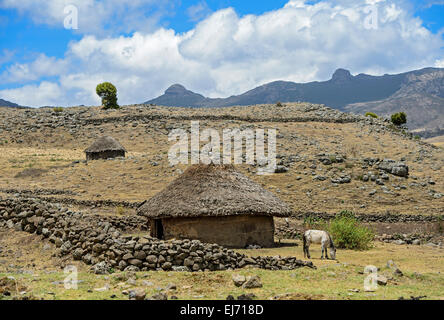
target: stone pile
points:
(98, 241)
(412, 238)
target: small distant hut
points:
(105, 148)
(215, 204)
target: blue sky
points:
(37, 53)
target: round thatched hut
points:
(105, 148)
(215, 204)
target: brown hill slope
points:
(328, 155)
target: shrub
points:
(399, 118)
(348, 233)
(58, 109)
(108, 92)
(120, 211)
(312, 222)
(371, 114)
(279, 104)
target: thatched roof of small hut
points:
(213, 190)
(106, 143)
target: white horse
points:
(319, 237)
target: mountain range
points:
(4, 103)
(419, 93)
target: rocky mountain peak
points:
(176, 89)
(341, 75)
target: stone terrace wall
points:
(363, 217)
(99, 241)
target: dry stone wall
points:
(99, 241)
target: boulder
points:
(252, 282)
(238, 280)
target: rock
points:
(399, 242)
(159, 296)
(281, 169)
(238, 280)
(137, 294)
(381, 280)
(230, 297)
(252, 282)
(77, 254)
(101, 268)
(135, 262)
(416, 242)
(151, 259)
(167, 266)
(140, 255)
(171, 286)
(248, 296)
(399, 169)
(180, 269)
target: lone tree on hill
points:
(399, 118)
(108, 92)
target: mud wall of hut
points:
(231, 231)
(105, 155)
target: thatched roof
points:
(213, 190)
(106, 143)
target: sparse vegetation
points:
(399, 118)
(120, 211)
(108, 93)
(313, 222)
(278, 104)
(58, 109)
(372, 115)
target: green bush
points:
(313, 222)
(108, 92)
(348, 233)
(399, 118)
(279, 104)
(58, 109)
(371, 114)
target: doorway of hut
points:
(158, 229)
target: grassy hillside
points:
(43, 149)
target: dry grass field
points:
(39, 275)
(437, 141)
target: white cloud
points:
(42, 66)
(227, 54)
(95, 16)
(439, 63)
(46, 93)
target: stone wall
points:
(99, 241)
